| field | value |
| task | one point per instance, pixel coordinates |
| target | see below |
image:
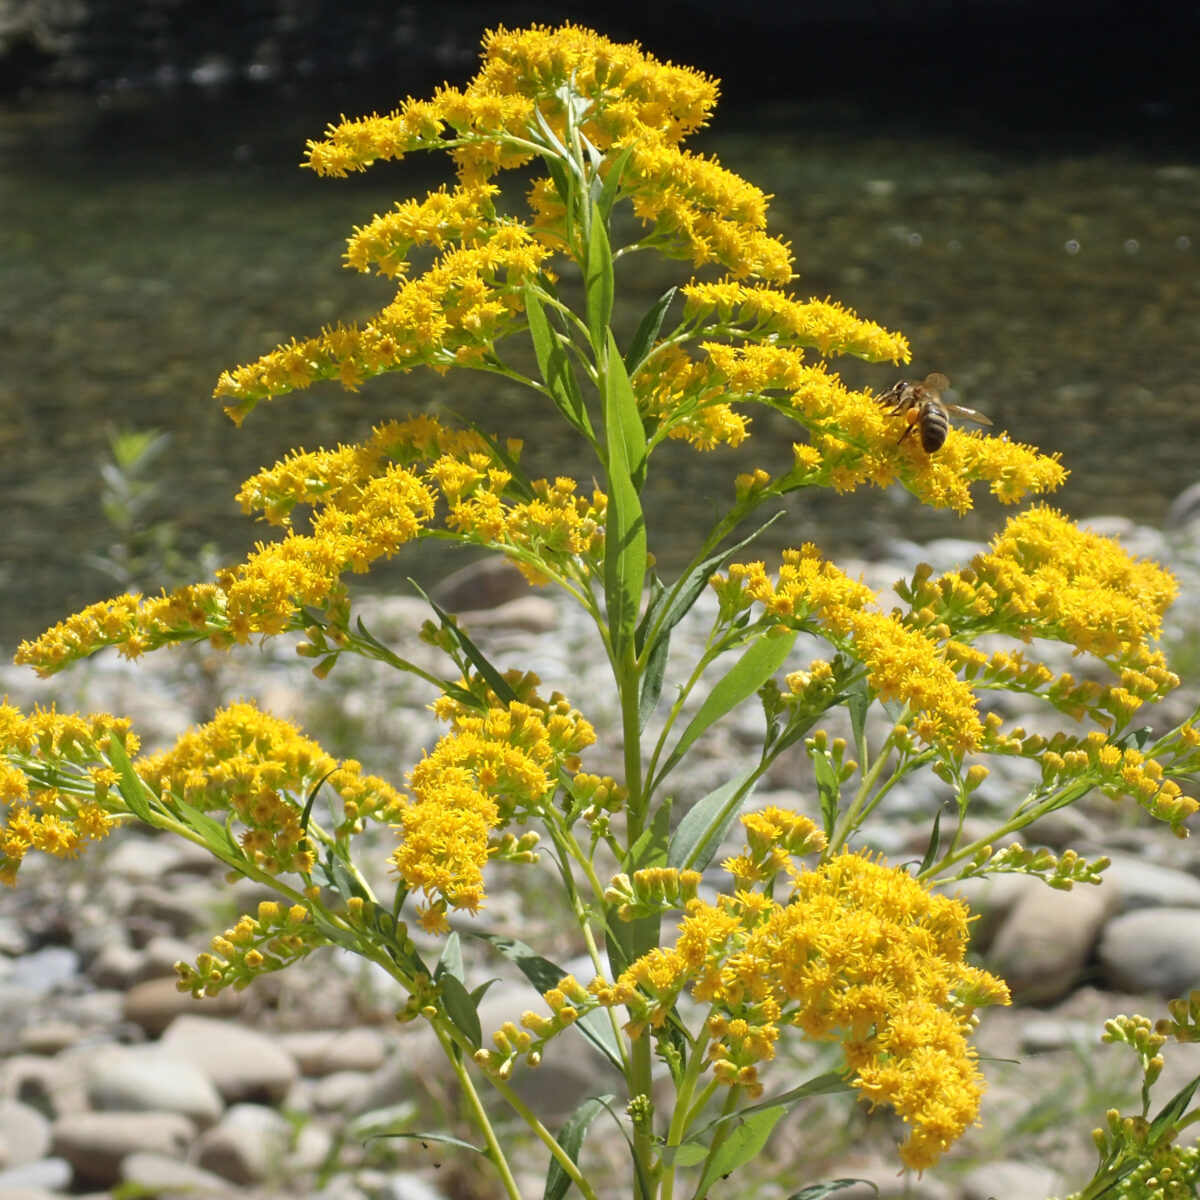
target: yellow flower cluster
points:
(864, 955)
(373, 516)
(451, 314)
(55, 782)
(270, 941)
(463, 215)
(259, 771)
(902, 663)
(700, 211)
(773, 837)
(554, 526)
(491, 768)
(1044, 576)
(763, 313)
(524, 72)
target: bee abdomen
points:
(935, 424)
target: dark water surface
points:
(141, 252)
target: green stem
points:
(479, 1115)
(684, 1111)
(546, 1137)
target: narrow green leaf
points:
(598, 283)
(1172, 1110)
(312, 799)
(474, 655)
(460, 1008)
(858, 703)
(216, 835)
(763, 657)
(830, 1083)
(819, 1191)
(625, 529)
(935, 841)
(699, 835)
(743, 1144)
(555, 364)
(669, 606)
(441, 1139)
(647, 331)
(544, 975)
(612, 181)
(828, 789)
(450, 962)
(652, 679)
(570, 1138)
(129, 783)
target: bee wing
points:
(936, 382)
(968, 413)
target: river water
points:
(144, 248)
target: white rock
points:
(24, 1134)
(247, 1145)
(1042, 946)
(154, 1174)
(1011, 1181)
(324, 1051)
(152, 1080)
(96, 1143)
(35, 1179)
(243, 1064)
(1150, 885)
(1153, 950)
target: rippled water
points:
(1059, 288)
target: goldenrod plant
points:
(801, 935)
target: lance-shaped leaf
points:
(129, 783)
(763, 657)
(598, 283)
(570, 1138)
(743, 1144)
(555, 365)
(704, 825)
(544, 975)
(625, 527)
(666, 609)
(647, 331)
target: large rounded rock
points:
(242, 1064)
(140, 1081)
(1042, 946)
(95, 1144)
(24, 1134)
(248, 1145)
(325, 1051)
(1153, 950)
(155, 1004)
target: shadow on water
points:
(147, 247)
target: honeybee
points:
(922, 406)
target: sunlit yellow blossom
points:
(55, 779)
(808, 585)
(490, 768)
(904, 664)
(259, 770)
(822, 324)
(470, 296)
(462, 215)
(1044, 575)
(864, 955)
